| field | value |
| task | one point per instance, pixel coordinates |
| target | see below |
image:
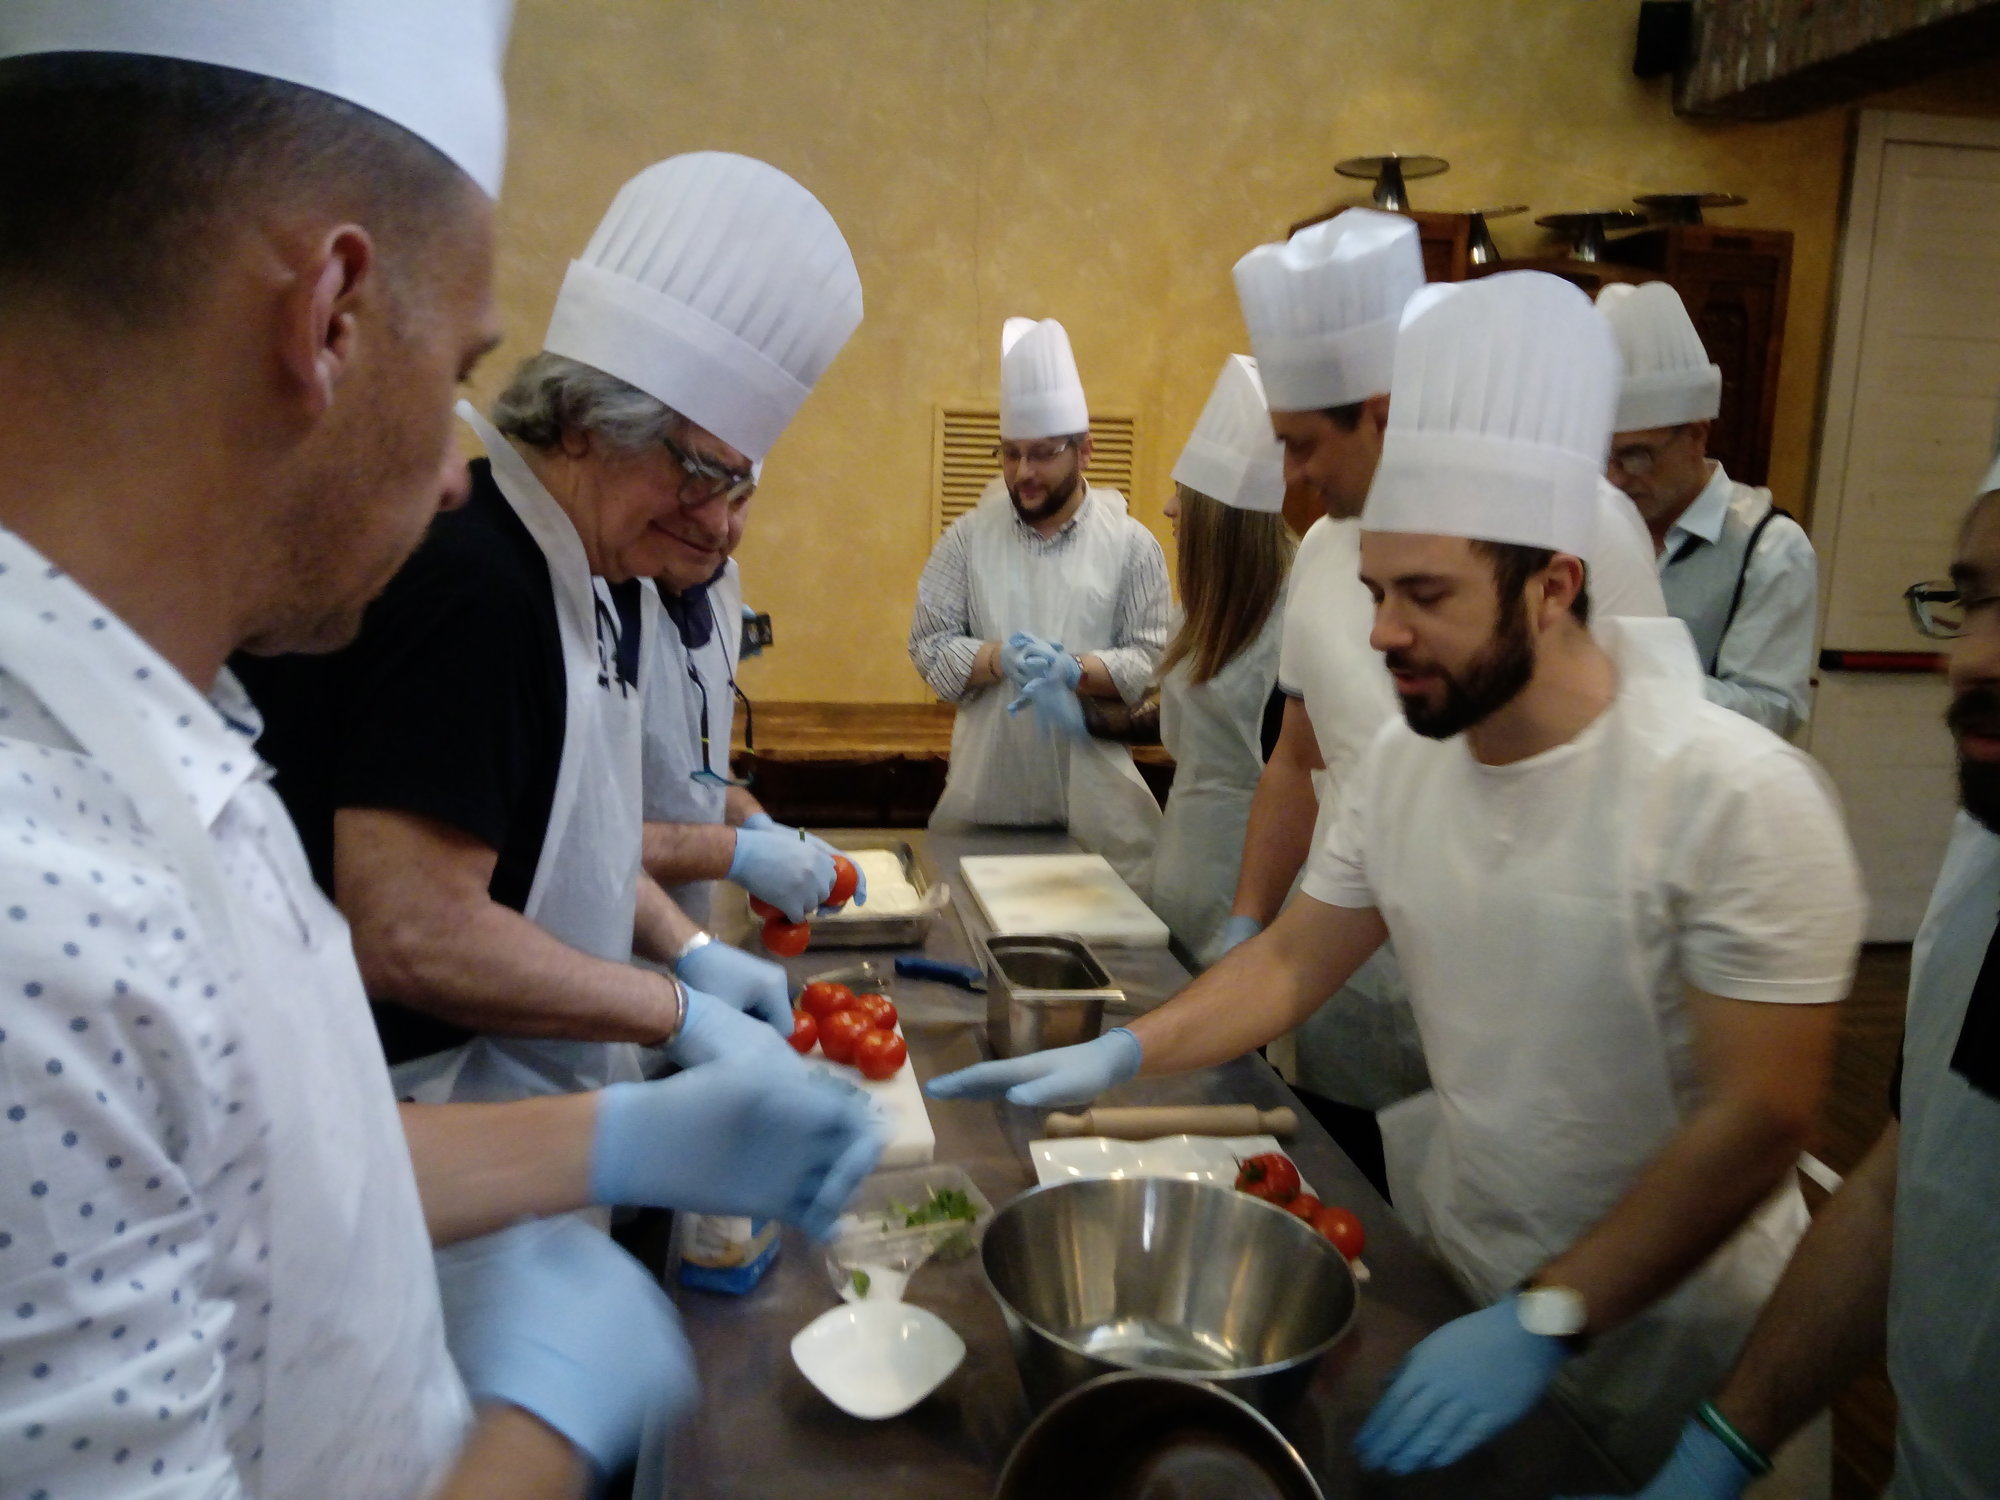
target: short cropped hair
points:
(1514, 565)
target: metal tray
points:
(855, 928)
(1044, 990)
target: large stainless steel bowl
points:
(1139, 1436)
(1159, 1274)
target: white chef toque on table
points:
(1322, 307)
(1668, 378)
(430, 66)
(1041, 394)
(1231, 455)
(717, 285)
(1499, 415)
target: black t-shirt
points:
(449, 705)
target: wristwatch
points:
(699, 940)
(1556, 1312)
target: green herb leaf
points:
(860, 1279)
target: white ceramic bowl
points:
(876, 1359)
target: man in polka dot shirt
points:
(246, 258)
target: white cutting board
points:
(897, 1103)
(1079, 893)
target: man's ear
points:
(1084, 448)
(1562, 581)
(1698, 435)
(1375, 412)
(318, 324)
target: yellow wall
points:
(1103, 162)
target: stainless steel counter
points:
(762, 1431)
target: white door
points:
(1913, 386)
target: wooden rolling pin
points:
(1174, 1119)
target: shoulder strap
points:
(1742, 573)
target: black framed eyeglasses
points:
(707, 775)
(703, 481)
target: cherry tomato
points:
(845, 878)
(805, 1031)
(1270, 1176)
(879, 1054)
(786, 939)
(821, 999)
(839, 1033)
(1304, 1206)
(1342, 1227)
(879, 1009)
(766, 910)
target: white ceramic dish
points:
(876, 1359)
(1195, 1158)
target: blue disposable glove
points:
(1700, 1468)
(793, 874)
(1025, 657)
(1062, 1075)
(554, 1318)
(1238, 930)
(715, 1029)
(753, 985)
(1056, 707)
(763, 822)
(762, 1136)
(1471, 1378)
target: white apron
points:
(1214, 731)
(585, 889)
(1007, 770)
(360, 1398)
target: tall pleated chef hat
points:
(717, 285)
(1231, 455)
(1041, 394)
(1322, 307)
(1668, 378)
(1499, 415)
(432, 66)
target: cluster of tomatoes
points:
(859, 1030)
(1272, 1177)
(788, 939)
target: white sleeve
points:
(1337, 871)
(1771, 903)
(1624, 576)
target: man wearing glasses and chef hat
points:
(1622, 912)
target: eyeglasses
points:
(1939, 610)
(708, 775)
(703, 480)
(1008, 454)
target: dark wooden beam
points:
(1772, 59)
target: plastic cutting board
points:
(897, 1102)
(1077, 893)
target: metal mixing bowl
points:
(1155, 1273)
(1135, 1436)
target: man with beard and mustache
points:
(1907, 1253)
(1622, 911)
(1045, 590)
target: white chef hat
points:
(1041, 394)
(1499, 415)
(1992, 480)
(1231, 455)
(717, 285)
(1322, 307)
(1668, 379)
(430, 66)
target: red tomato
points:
(1304, 1206)
(765, 909)
(878, 1054)
(821, 999)
(1270, 1176)
(845, 878)
(839, 1033)
(1342, 1227)
(805, 1031)
(786, 939)
(879, 1009)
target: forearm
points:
(1261, 989)
(676, 852)
(481, 1167)
(1115, 719)
(511, 1455)
(738, 806)
(1828, 1319)
(660, 929)
(1118, 672)
(953, 665)
(1278, 840)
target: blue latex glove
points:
(764, 823)
(715, 1029)
(793, 874)
(1238, 930)
(1470, 1379)
(554, 1318)
(1701, 1468)
(1056, 707)
(1024, 657)
(762, 1136)
(1062, 1075)
(753, 985)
